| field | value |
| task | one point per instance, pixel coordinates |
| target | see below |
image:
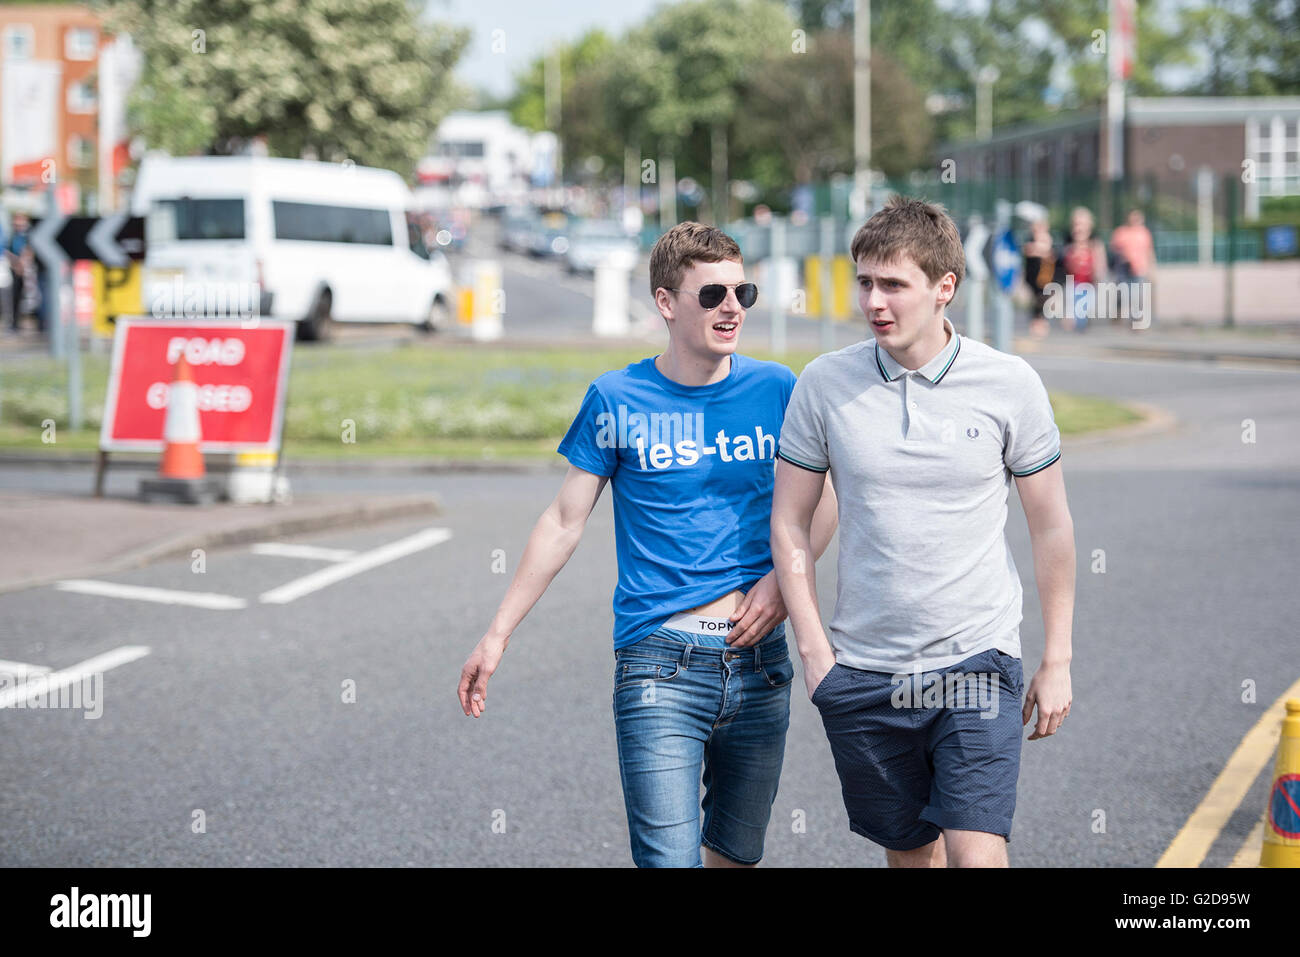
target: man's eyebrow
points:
(867, 275)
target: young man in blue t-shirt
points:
(687, 441)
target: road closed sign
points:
(240, 375)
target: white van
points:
(286, 239)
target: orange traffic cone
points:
(181, 471)
(181, 457)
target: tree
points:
(585, 126)
(342, 79)
(802, 104)
(678, 83)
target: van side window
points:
(317, 223)
(199, 218)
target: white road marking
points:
(286, 550)
(18, 669)
(166, 596)
(54, 680)
(363, 562)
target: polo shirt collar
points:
(934, 370)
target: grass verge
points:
(436, 400)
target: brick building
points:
(63, 84)
(1167, 141)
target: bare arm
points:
(763, 607)
(795, 501)
(825, 519)
(553, 540)
(1051, 535)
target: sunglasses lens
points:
(747, 294)
(711, 296)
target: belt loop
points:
(686, 656)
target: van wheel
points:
(316, 327)
(439, 317)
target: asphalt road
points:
(240, 713)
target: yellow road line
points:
(1248, 854)
(1257, 748)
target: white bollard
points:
(610, 299)
(489, 302)
(252, 478)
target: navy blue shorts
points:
(923, 751)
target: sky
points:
(526, 28)
(523, 29)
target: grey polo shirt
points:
(922, 464)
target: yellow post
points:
(812, 284)
(1282, 818)
(842, 301)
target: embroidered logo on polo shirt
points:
(972, 433)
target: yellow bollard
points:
(843, 301)
(1282, 819)
(812, 284)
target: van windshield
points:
(185, 218)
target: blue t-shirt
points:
(691, 469)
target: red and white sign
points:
(1123, 38)
(241, 376)
(83, 292)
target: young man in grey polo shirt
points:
(919, 680)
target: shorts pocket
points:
(779, 672)
(636, 670)
(1011, 670)
(821, 686)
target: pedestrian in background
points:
(1135, 251)
(1041, 256)
(1085, 261)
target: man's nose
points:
(731, 305)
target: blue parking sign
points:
(1280, 240)
(1006, 260)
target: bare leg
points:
(934, 854)
(714, 859)
(976, 849)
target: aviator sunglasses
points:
(711, 294)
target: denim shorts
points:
(917, 754)
(680, 710)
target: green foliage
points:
(358, 79)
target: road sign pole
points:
(778, 302)
(828, 289)
(48, 251)
(977, 272)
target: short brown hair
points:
(922, 231)
(682, 247)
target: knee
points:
(933, 854)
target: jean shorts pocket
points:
(634, 671)
(779, 672)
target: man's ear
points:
(947, 287)
(664, 302)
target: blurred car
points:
(595, 241)
(550, 236)
(517, 227)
